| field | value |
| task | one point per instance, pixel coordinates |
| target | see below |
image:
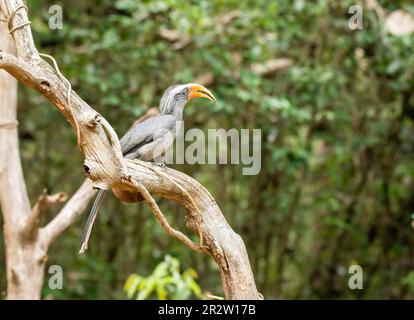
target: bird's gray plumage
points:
(143, 134)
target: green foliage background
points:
(336, 185)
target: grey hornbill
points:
(152, 137)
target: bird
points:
(151, 136)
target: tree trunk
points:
(25, 270)
(24, 258)
(26, 243)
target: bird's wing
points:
(146, 132)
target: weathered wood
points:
(105, 166)
(226, 247)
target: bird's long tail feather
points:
(91, 219)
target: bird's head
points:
(178, 95)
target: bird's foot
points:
(160, 164)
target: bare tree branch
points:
(69, 213)
(33, 218)
(161, 218)
(225, 246)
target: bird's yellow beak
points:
(199, 91)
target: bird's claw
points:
(160, 164)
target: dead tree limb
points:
(225, 246)
(105, 166)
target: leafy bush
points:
(166, 282)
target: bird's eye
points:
(186, 91)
